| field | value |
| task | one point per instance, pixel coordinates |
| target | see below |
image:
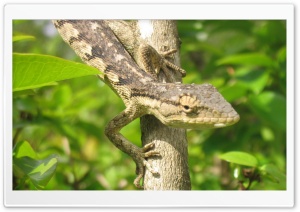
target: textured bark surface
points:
(171, 143)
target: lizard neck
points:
(129, 82)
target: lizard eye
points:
(188, 103)
(186, 108)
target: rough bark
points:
(172, 144)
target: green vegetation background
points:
(245, 60)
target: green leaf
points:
(26, 163)
(43, 172)
(253, 59)
(273, 173)
(23, 37)
(241, 158)
(267, 134)
(63, 96)
(271, 107)
(22, 149)
(254, 80)
(33, 70)
(281, 54)
(23, 93)
(233, 92)
(206, 47)
(39, 171)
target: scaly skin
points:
(174, 104)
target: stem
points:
(15, 138)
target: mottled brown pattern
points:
(174, 104)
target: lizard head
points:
(194, 107)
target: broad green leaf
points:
(23, 37)
(253, 59)
(23, 93)
(233, 92)
(273, 173)
(41, 175)
(270, 107)
(22, 149)
(254, 80)
(241, 158)
(38, 171)
(33, 70)
(20, 88)
(25, 163)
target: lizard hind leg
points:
(153, 61)
(149, 59)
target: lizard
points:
(144, 54)
(188, 106)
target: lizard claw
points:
(147, 152)
(141, 163)
(166, 54)
(166, 63)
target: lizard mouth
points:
(219, 125)
(203, 123)
(233, 121)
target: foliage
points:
(247, 170)
(245, 60)
(44, 70)
(27, 166)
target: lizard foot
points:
(166, 54)
(167, 63)
(153, 61)
(141, 163)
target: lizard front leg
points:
(138, 154)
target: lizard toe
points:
(147, 152)
(137, 180)
(150, 154)
(148, 146)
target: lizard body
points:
(187, 106)
(145, 55)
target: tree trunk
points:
(171, 143)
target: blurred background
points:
(245, 60)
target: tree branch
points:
(171, 143)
